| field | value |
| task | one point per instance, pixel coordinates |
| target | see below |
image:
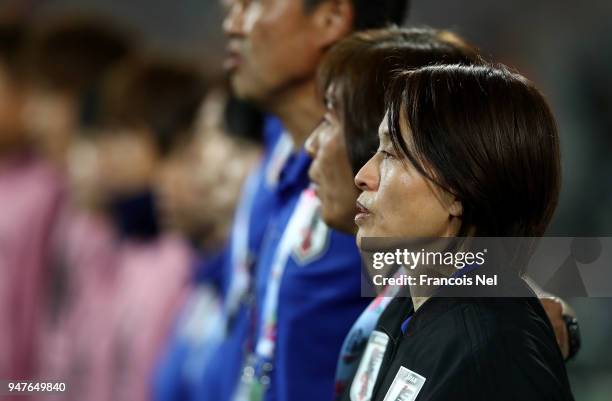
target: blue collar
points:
(208, 268)
(295, 173)
(405, 324)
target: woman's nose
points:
(367, 178)
(312, 143)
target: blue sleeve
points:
(210, 269)
(224, 368)
(168, 384)
(170, 379)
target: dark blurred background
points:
(564, 46)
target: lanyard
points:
(280, 155)
(239, 256)
(301, 218)
(258, 366)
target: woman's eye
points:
(322, 124)
(386, 155)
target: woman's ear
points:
(333, 20)
(448, 201)
(455, 208)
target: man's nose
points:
(234, 20)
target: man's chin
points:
(242, 87)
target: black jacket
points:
(476, 349)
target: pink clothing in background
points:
(84, 258)
(133, 322)
(31, 193)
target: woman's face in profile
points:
(397, 201)
(331, 173)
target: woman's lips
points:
(314, 183)
(362, 213)
(315, 189)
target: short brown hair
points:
(361, 66)
(161, 95)
(13, 44)
(74, 53)
(486, 135)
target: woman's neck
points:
(417, 302)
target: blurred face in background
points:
(52, 119)
(198, 184)
(11, 111)
(273, 44)
(197, 187)
(331, 173)
(127, 159)
(83, 173)
(176, 190)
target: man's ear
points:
(333, 20)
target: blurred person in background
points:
(352, 80)
(273, 52)
(214, 158)
(149, 112)
(14, 43)
(31, 195)
(68, 60)
(197, 190)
